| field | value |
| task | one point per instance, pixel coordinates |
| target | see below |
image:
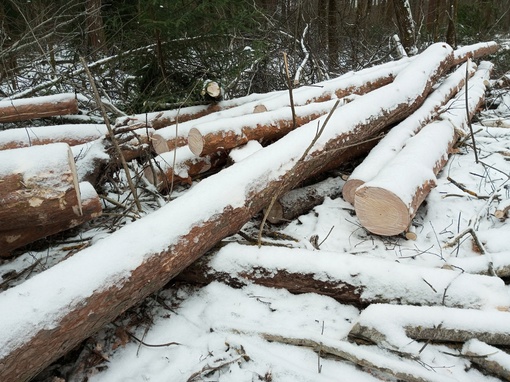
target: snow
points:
(239, 153)
(217, 325)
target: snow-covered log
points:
(301, 200)
(404, 323)
(207, 138)
(91, 208)
(38, 185)
(474, 51)
(277, 104)
(180, 168)
(38, 107)
(72, 134)
(493, 360)
(496, 263)
(387, 204)
(347, 278)
(47, 319)
(396, 139)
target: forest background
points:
(155, 54)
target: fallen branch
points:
(38, 107)
(490, 358)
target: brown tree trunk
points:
(39, 107)
(386, 207)
(73, 135)
(333, 36)
(96, 38)
(405, 24)
(12, 239)
(346, 278)
(193, 223)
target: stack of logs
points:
(192, 141)
(365, 105)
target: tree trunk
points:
(71, 134)
(405, 25)
(387, 204)
(404, 323)
(38, 107)
(301, 200)
(346, 278)
(333, 36)
(12, 239)
(143, 256)
(396, 139)
(39, 185)
(96, 38)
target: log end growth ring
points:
(195, 141)
(381, 211)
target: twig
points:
(112, 135)
(470, 231)
(291, 96)
(467, 110)
(279, 191)
(463, 188)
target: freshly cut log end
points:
(381, 211)
(349, 189)
(195, 141)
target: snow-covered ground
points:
(220, 333)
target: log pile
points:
(323, 129)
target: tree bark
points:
(405, 25)
(179, 233)
(72, 134)
(39, 186)
(397, 137)
(38, 107)
(12, 239)
(490, 358)
(430, 323)
(346, 278)
(387, 204)
(301, 200)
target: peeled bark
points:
(12, 239)
(143, 256)
(73, 134)
(387, 204)
(38, 107)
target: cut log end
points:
(159, 144)
(381, 212)
(195, 141)
(349, 189)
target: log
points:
(212, 91)
(396, 139)
(387, 204)
(12, 239)
(72, 134)
(38, 107)
(404, 323)
(346, 85)
(475, 51)
(502, 209)
(226, 134)
(181, 169)
(347, 278)
(100, 282)
(490, 358)
(39, 186)
(301, 200)
(496, 263)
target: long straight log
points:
(12, 239)
(38, 107)
(97, 284)
(347, 278)
(490, 358)
(397, 137)
(278, 104)
(72, 134)
(387, 204)
(39, 186)
(430, 323)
